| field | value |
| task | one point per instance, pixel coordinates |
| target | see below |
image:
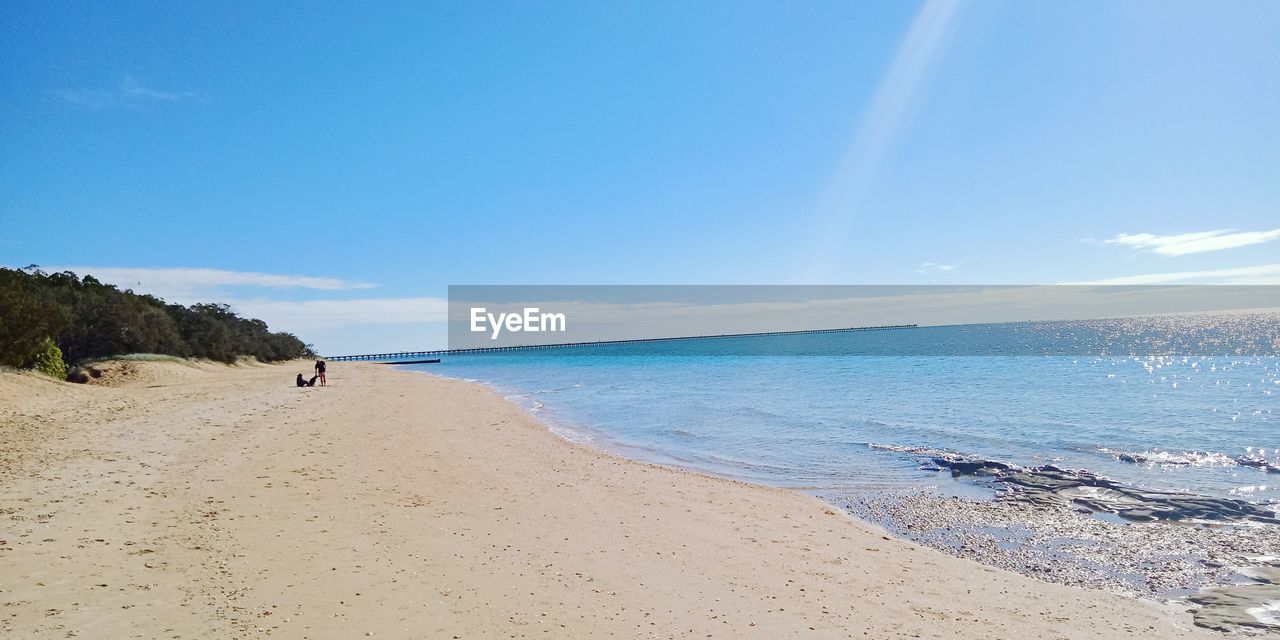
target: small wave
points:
(571, 434)
(554, 390)
(919, 451)
(1173, 458)
(1191, 459)
(1248, 491)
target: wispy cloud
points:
(323, 314)
(129, 94)
(1263, 274)
(1199, 242)
(185, 285)
(935, 267)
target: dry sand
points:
(205, 501)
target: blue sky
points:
(332, 168)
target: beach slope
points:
(170, 500)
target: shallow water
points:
(1179, 422)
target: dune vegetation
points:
(50, 320)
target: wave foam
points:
(1191, 459)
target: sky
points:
(333, 168)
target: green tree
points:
(27, 318)
(89, 319)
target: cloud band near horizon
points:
(1188, 243)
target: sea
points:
(1185, 403)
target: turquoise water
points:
(1179, 421)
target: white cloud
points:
(1263, 274)
(130, 94)
(1199, 242)
(185, 285)
(928, 267)
(314, 314)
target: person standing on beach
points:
(320, 366)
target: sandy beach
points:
(171, 500)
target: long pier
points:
(396, 358)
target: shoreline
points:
(1040, 533)
(220, 502)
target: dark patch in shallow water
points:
(1049, 485)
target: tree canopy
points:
(89, 319)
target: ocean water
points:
(1175, 405)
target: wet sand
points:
(205, 501)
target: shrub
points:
(49, 360)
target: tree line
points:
(87, 319)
